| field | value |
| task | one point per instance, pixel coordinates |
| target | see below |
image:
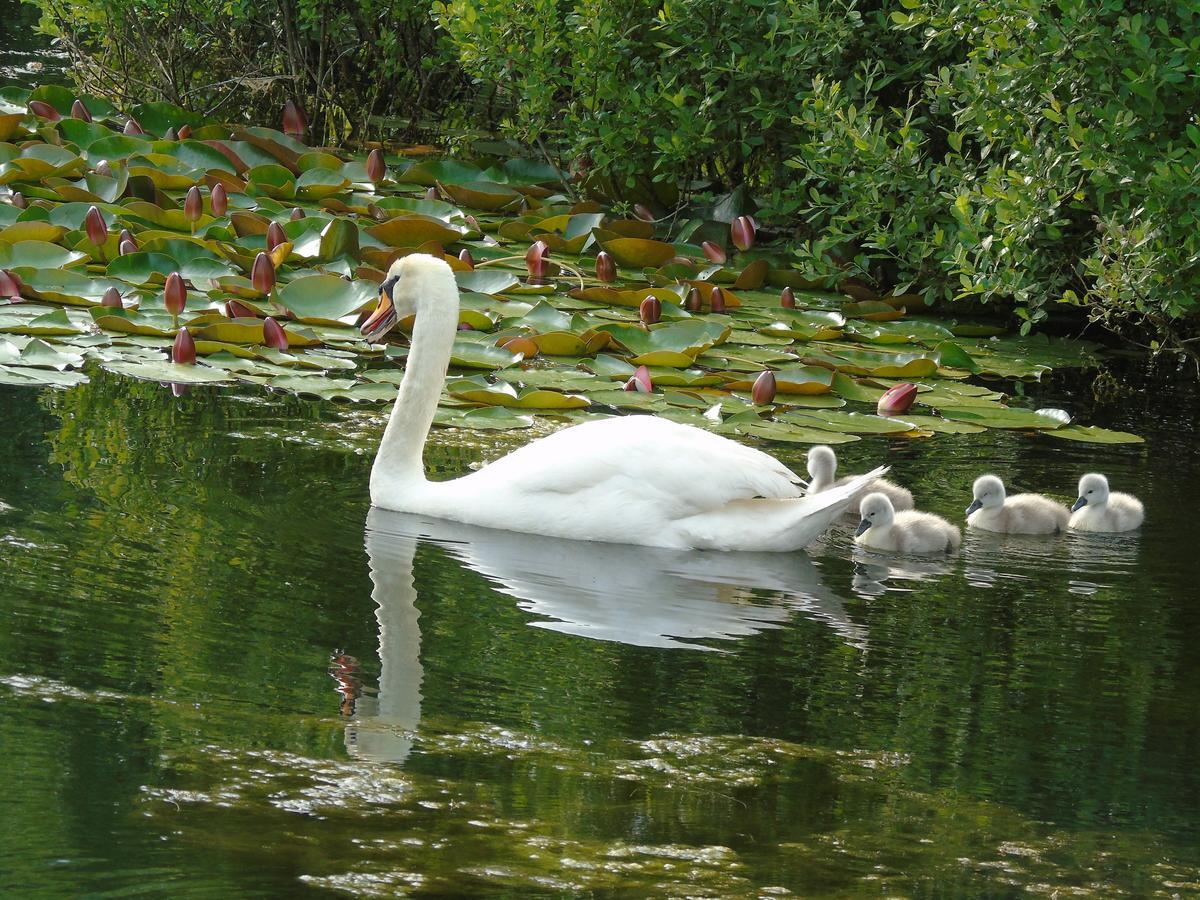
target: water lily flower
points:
(640, 382)
(606, 267)
(650, 311)
(716, 300)
(464, 256)
(93, 224)
(643, 212)
(376, 166)
(763, 390)
(183, 351)
(296, 214)
(742, 232)
(236, 310)
(10, 285)
(714, 253)
(132, 127)
(111, 299)
(787, 298)
(897, 399)
(535, 259)
(275, 236)
(294, 123)
(262, 275)
(219, 200)
(124, 248)
(193, 204)
(174, 294)
(185, 131)
(274, 335)
(693, 303)
(44, 110)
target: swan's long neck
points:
(399, 456)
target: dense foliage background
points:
(1021, 151)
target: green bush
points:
(351, 66)
(1011, 151)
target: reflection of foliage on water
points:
(203, 580)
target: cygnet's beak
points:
(862, 527)
(1079, 504)
(381, 321)
(975, 504)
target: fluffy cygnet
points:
(908, 531)
(822, 472)
(992, 510)
(1099, 509)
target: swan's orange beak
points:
(381, 321)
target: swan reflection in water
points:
(645, 597)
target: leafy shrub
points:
(344, 63)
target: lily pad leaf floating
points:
(326, 299)
(1003, 417)
(1093, 434)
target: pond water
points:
(222, 677)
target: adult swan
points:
(631, 480)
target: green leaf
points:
(325, 298)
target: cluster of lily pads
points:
(162, 246)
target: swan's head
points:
(1093, 491)
(876, 511)
(822, 463)
(410, 281)
(987, 493)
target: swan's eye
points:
(388, 286)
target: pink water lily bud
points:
(93, 224)
(44, 110)
(103, 168)
(175, 294)
(132, 127)
(640, 381)
(787, 298)
(111, 299)
(294, 123)
(178, 390)
(79, 111)
(606, 267)
(714, 253)
(275, 236)
(262, 276)
(10, 285)
(693, 303)
(464, 256)
(681, 261)
(470, 220)
(465, 326)
(897, 400)
(742, 232)
(235, 310)
(650, 311)
(716, 300)
(185, 132)
(18, 200)
(218, 200)
(124, 248)
(274, 335)
(296, 214)
(376, 166)
(193, 204)
(643, 212)
(763, 391)
(431, 193)
(126, 235)
(183, 352)
(171, 134)
(535, 259)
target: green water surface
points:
(220, 677)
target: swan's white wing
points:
(686, 470)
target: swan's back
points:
(1122, 512)
(1022, 514)
(913, 532)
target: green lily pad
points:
(325, 298)
(37, 255)
(1092, 434)
(1002, 417)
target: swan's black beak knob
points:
(380, 322)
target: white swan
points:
(822, 472)
(633, 480)
(882, 528)
(1099, 509)
(992, 510)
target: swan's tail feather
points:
(823, 509)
